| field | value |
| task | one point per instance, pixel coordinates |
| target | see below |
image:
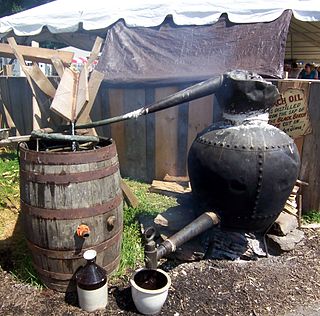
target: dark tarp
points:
(175, 54)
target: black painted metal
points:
(243, 91)
(244, 173)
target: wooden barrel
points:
(60, 191)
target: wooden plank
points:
(15, 50)
(13, 121)
(102, 100)
(200, 117)
(82, 97)
(310, 162)
(14, 140)
(36, 112)
(21, 103)
(166, 136)
(36, 54)
(63, 102)
(116, 99)
(41, 80)
(299, 143)
(184, 180)
(9, 118)
(128, 195)
(36, 105)
(58, 66)
(183, 118)
(168, 188)
(7, 70)
(93, 87)
(95, 51)
(150, 136)
(135, 136)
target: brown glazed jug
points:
(92, 285)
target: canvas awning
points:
(73, 21)
(78, 22)
(172, 53)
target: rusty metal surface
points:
(66, 178)
(67, 214)
(71, 254)
(66, 158)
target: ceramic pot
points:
(149, 289)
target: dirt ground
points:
(285, 285)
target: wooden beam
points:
(41, 80)
(15, 139)
(168, 188)
(128, 195)
(93, 86)
(7, 70)
(58, 65)
(82, 96)
(41, 55)
(95, 50)
(9, 119)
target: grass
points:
(13, 244)
(311, 217)
(9, 171)
(149, 203)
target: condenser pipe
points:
(196, 91)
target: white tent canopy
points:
(62, 16)
(58, 20)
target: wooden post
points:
(36, 112)
(7, 70)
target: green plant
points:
(9, 180)
(311, 217)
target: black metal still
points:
(245, 173)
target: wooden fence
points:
(157, 144)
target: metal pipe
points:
(196, 91)
(195, 228)
(47, 134)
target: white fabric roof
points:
(63, 16)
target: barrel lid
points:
(89, 254)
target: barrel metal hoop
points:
(67, 158)
(72, 254)
(67, 178)
(68, 276)
(70, 214)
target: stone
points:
(284, 224)
(286, 243)
(175, 218)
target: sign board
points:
(290, 113)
